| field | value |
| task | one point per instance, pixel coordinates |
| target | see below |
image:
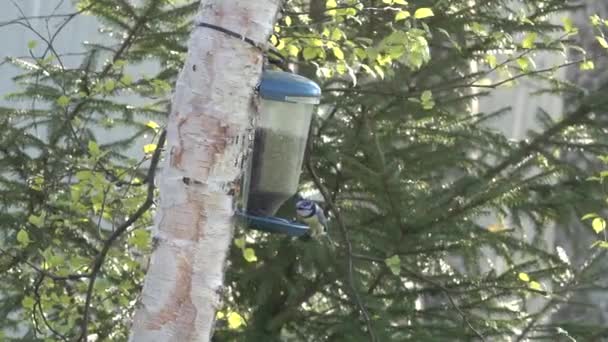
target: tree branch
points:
(143, 208)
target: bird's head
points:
(305, 208)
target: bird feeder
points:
(286, 106)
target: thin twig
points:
(143, 208)
(39, 305)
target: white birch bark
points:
(207, 137)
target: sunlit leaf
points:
(589, 216)
(235, 320)
(240, 242)
(23, 238)
(63, 101)
(424, 12)
(524, 277)
(336, 34)
(598, 224)
(491, 60)
(534, 285)
(394, 264)
(402, 15)
(338, 53)
(523, 63)
(602, 42)
(587, 65)
(36, 220)
(497, 228)
(309, 53)
(152, 124)
(568, 25)
(600, 244)
(28, 302)
(109, 85)
(529, 40)
(249, 255)
(140, 239)
(149, 148)
(94, 150)
(126, 80)
(293, 50)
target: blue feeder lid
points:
(288, 87)
(273, 224)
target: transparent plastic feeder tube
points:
(278, 153)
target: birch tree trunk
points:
(207, 138)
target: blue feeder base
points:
(272, 224)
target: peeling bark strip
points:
(211, 113)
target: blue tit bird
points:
(312, 214)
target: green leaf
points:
(235, 320)
(338, 53)
(589, 216)
(55, 260)
(153, 125)
(600, 244)
(491, 60)
(293, 50)
(568, 25)
(37, 221)
(598, 224)
(28, 302)
(523, 63)
(394, 264)
(287, 20)
(427, 100)
(331, 4)
(523, 277)
(140, 239)
(379, 71)
(109, 85)
(336, 34)
(402, 15)
(149, 148)
(587, 65)
(534, 285)
(529, 40)
(240, 242)
(94, 150)
(63, 101)
(602, 42)
(424, 12)
(310, 53)
(126, 80)
(32, 44)
(23, 238)
(249, 255)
